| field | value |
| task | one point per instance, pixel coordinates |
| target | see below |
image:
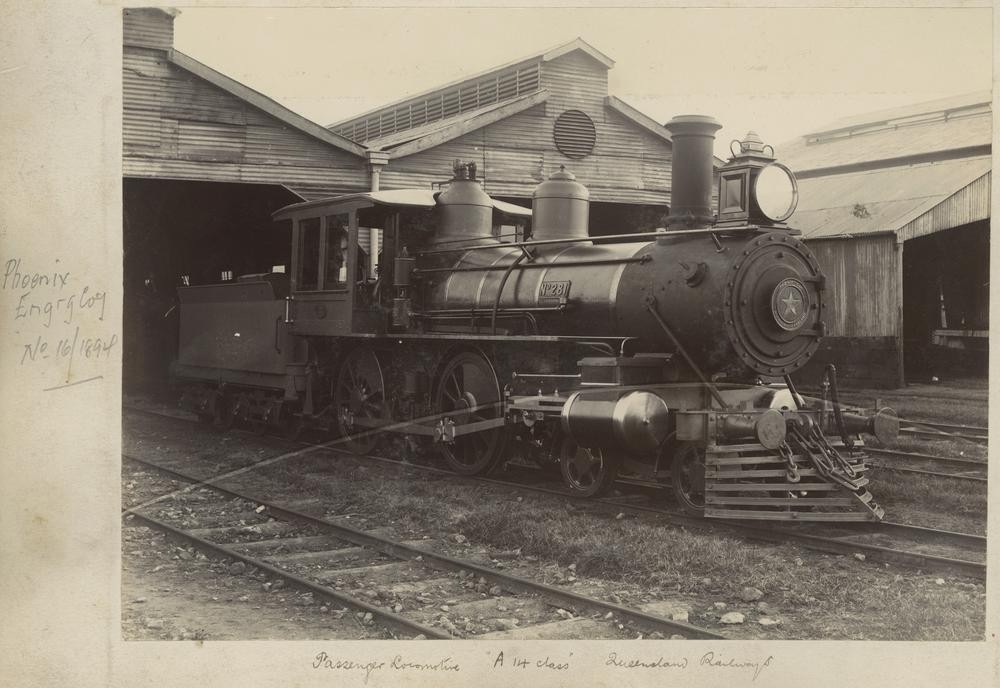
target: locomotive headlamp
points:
(776, 192)
(753, 188)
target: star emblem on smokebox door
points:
(792, 303)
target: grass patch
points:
(817, 595)
(623, 550)
(965, 404)
(933, 494)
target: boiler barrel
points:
(756, 304)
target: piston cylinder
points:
(638, 421)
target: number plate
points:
(554, 290)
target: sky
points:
(781, 72)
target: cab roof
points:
(399, 198)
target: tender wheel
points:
(587, 472)
(264, 423)
(359, 394)
(225, 412)
(292, 425)
(468, 385)
(687, 472)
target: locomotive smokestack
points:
(691, 170)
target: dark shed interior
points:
(198, 232)
(946, 287)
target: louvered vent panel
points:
(574, 134)
(471, 95)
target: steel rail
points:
(932, 474)
(951, 426)
(970, 539)
(776, 534)
(980, 463)
(441, 561)
(934, 435)
(387, 617)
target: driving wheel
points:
(359, 400)
(467, 391)
(588, 472)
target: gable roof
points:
(262, 102)
(421, 138)
(887, 199)
(497, 84)
(644, 121)
(907, 171)
(399, 198)
(948, 128)
(648, 123)
(950, 105)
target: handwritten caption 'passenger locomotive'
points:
(642, 354)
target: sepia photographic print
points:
(632, 344)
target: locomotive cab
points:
(344, 252)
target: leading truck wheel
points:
(467, 391)
(359, 399)
(587, 472)
(687, 473)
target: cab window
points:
(308, 257)
(335, 275)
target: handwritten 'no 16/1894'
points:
(68, 347)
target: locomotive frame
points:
(594, 355)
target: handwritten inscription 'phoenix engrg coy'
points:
(47, 295)
(58, 318)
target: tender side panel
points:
(238, 326)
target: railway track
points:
(923, 548)
(925, 428)
(973, 470)
(389, 582)
(848, 538)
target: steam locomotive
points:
(666, 355)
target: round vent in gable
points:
(574, 134)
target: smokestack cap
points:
(682, 125)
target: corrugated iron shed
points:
(924, 131)
(520, 122)
(944, 106)
(910, 170)
(495, 85)
(452, 127)
(882, 200)
(881, 179)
